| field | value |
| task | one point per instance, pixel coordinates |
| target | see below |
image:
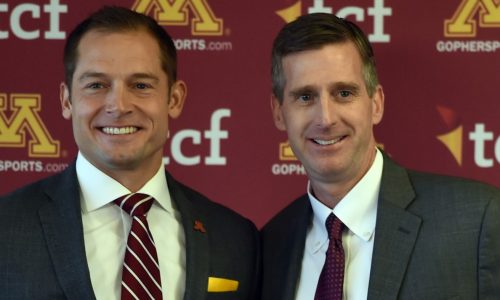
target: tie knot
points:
(334, 227)
(135, 204)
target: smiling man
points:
(366, 228)
(115, 224)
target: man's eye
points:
(305, 97)
(95, 85)
(345, 94)
(142, 86)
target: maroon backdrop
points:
(438, 64)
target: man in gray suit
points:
(64, 238)
(401, 234)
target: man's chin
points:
(123, 162)
(327, 171)
(116, 161)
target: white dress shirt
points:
(358, 211)
(106, 228)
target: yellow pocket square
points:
(217, 285)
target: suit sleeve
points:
(489, 251)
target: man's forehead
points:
(97, 46)
(104, 33)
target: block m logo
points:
(204, 21)
(25, 119)
(462, 24)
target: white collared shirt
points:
(106, 229)
(358, 211)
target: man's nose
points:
(118, 100)
(326, 113)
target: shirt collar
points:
(98, 189)
(357, 210)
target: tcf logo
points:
(378, 12)
(481, 138)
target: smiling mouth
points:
(328, 142)
(119, 130)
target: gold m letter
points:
(462, 24)
(204, 22)
(25, 118)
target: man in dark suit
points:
(397, 234)
(64, 238)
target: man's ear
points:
(178, 93)
(64, 96)
(378, 105)
(277, 113)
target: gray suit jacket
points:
(42, 251)
(436, 237)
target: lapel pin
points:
(199, 226)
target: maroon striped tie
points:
(331, 281)
(141, 272)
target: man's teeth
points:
(327, 142)
(119, 130)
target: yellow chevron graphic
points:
(453, 141)
(290, 13)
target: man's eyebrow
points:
(91, 74)
(342, 85)
(101, 75)
(149, 76)
(307, 89)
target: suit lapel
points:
(288, 259)
(395, 234)
(197, 247)
(61, 221)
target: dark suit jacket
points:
(436, 237)
(42, 251)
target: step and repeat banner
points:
(439, 65)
